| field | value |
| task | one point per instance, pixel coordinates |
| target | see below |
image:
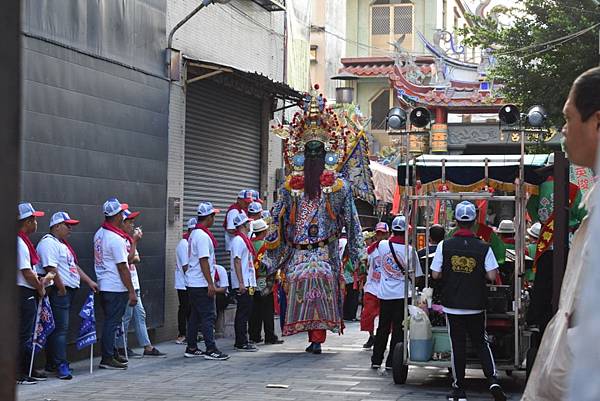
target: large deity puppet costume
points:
(313, 207)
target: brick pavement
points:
(342, 372)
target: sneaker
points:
(457, 394)
(215, 355)
(180, 340)
(274, 342)
(375, 365)
(370, 342)
(192, 354)
(64, 373)
(121, 359)
(132, 354)
(154, 352)
(497, 392)
(119, 355)
(112, 363)
(246, 348)
(310, 348)
(38, 376)
(26, 380)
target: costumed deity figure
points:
(314, 204)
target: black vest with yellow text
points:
(463, 273)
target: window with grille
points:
(379, 109)
(380, 20)
(403, 22)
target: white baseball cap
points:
(206, 209)
(535, 229)
(506, 227)
(382, 226)
(465, 211)
(62, 217)
(247, 195)
(265, 214)
(240, 219)
(192, 223)
(399, 223)
(255, 207)
(26, 210)
(259, 226)
(112, 207)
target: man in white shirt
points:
(370, 308)
(57, 256)
(243, 281)
(245, 197)
(135, 313)
(30, 287)
(201, 286)
(464, 263)
(114, 279)
(394, 271)
(181, 265)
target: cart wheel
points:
(399, 369)
(509, 373)
(531, 354)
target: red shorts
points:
(370, 311)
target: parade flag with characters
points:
(44, 327)
(87, 329)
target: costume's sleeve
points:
(277, 247)
(356, 244)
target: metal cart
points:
(514, 317)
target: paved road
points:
(342, 372)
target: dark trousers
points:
(113, 305)
(391, 316)
(350, 302)
(183, 313)
(263, 314)
(459, 326)
(242, 315)
(202, 314)
(27, 313)
(56, 348)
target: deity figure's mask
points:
(314, 164)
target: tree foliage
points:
(532, 70)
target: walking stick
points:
(124, 339)
(34, 337)
(92, 359)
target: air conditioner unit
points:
(271, 5)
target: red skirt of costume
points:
(369, 312)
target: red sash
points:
(33, 256)
(372, 247)
(107, 226)
(247, 242)
(235, 206)
(210, 234)
(70, 250)
(397, 239)
(186, 235)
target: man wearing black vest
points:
(464, 263)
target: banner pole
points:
(34, 336)
(92, 359)
(124, 339)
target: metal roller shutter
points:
(222, 150)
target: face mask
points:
(314, 149)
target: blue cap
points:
(255, 207)
(26, 210)
(465, 211)
(206, 209)
(399, 223)
(192, 223)
(112, 207)
(240, 219)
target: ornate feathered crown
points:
(316, 122)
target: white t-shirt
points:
(436, 266)
(391, 285)
(223, 281)
(55, 253)
(240, 250)
(110, 249)
(135, 280)
(23, 262)
(199, 246)
(374, 273)
(181, 259)
(232, 214)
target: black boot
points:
(370, 342)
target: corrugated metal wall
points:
(95, 128)
(222, 150)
